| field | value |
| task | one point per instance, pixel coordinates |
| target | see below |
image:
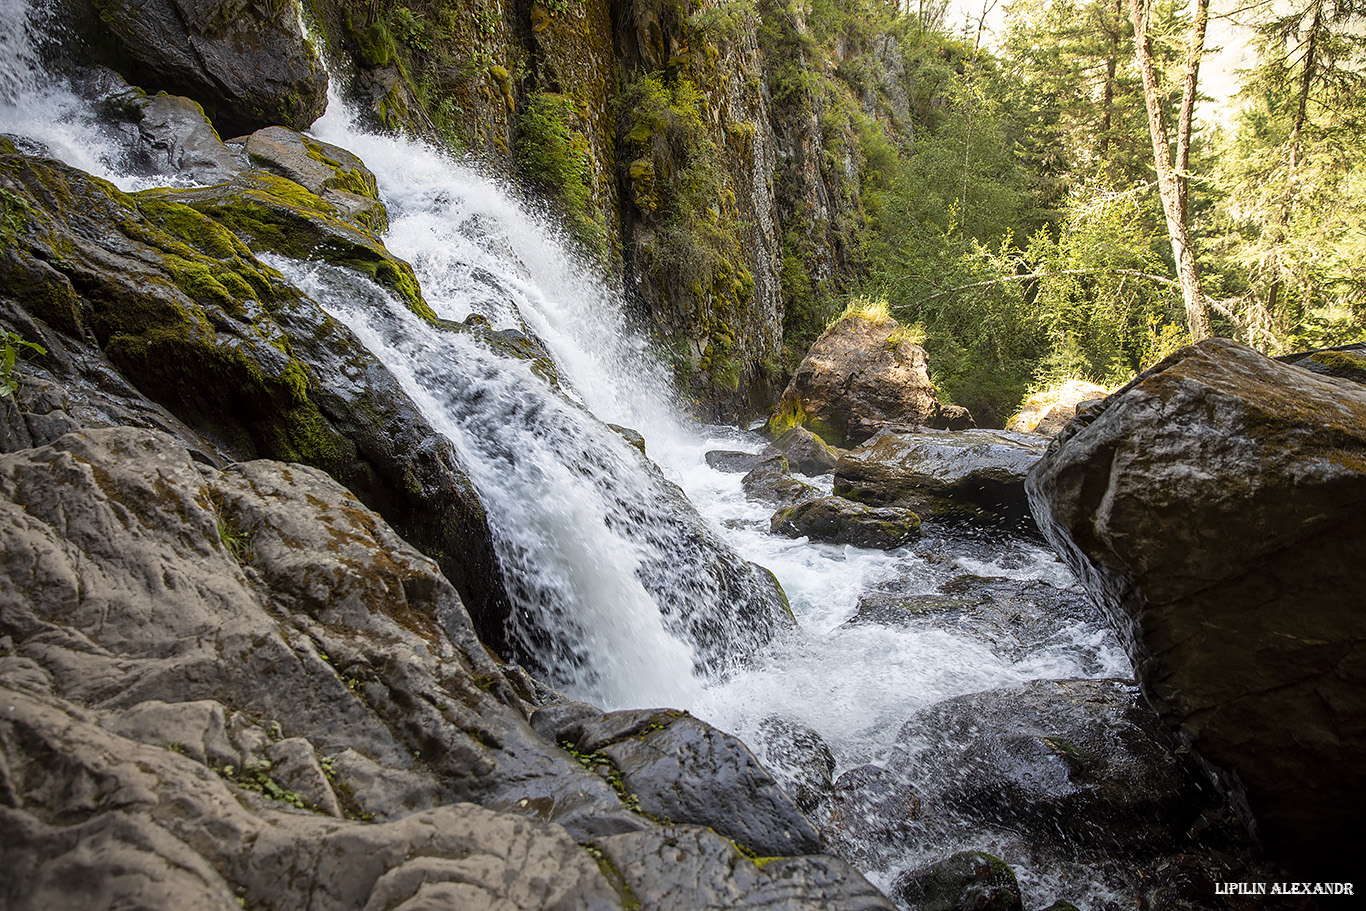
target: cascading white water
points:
(571, 501)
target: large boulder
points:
(212, 676)
(1079, 762)
(943, 472)
(248, 63)
(1217, 506)
(863, 370)
(1048, 411)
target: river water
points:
(594, 547)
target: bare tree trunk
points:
(1172, 176)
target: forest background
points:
(1019, 227)
(1061, 201)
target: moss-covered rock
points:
(862, 372)
(274, 214)
(325, 170)
(177, 303)
(836, 520)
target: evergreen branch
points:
(1131, 273)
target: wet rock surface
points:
(806, 452)
(1069, 761)
(968, 881)
(1215, 506)
(771, 481)
(247, 63)
(214, 675)
(966, 474)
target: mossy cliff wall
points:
(715, 155)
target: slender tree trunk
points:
(1273, 294)
(1172, 175)
(1107, 99)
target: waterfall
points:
(623, 594)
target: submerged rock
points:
(968, 881)
(771, 482)
(1217, 506)
(944, 473)
(836, 520)
(1068, 761)
(733, 462)
(862, 368)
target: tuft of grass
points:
(870, 308)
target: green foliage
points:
(554, 156)
(12, 347)
(1289, 222)
(409, 28)
(691, 242)
(1102, 288)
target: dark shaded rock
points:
(1047, 412)
(836, 520)
(686, 868)
(685, 771)
(862, 367)
(942, 471)
(807, 452)
(969, 881)
(247, 63)
(799, 759)
(1074, 761)
(1217, 506)
(156, 315)
(871, 804)
(734, 462)
(177, 139)
(771, 482)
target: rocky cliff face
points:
(711, 154)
